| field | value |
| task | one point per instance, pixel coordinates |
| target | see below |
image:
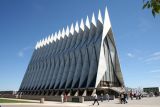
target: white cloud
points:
(153, 57)
(130, 55)
(155, 71)
(22, 51)
(156, 54)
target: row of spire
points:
(61, 34)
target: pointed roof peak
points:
(100, 16)
(77, 27)
(55, 36)
(72, 29)
(52, 38)
(93, 19)
(67, 31)
(107, 23)
(49, 39)
(52, 34)
(36, 45)
(87, 22)
(63, 33)
(42, 42)
(59, 34)
(45, 41)
(82, 25)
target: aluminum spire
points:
(87, 22)
(67, 31)
(82, 25)
(93, 19)
(100, 16)
(63, 33)
(72, 29)
(77, 27)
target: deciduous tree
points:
(154, 5)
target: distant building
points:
(77, 61)
(8, 92)
(151, 89)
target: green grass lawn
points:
(13, 101)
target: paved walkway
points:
(145, 102)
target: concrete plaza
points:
(145, 102)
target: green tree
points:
(154, 5)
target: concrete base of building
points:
(75, 95)
(54, 98)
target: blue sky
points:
(24, 22)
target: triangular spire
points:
(42, 42)
(107, 24)
(63, 33)
(39, 44)
(45, 41)
(101, 68)
(82, 25)
(100, 16)
(48, 39)
(55, 36)
(77, 27)
(93, 19)
(52, 38)
(67, 31)
(87, 22)
(59, 35)
(72, 29)
(36, 45)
